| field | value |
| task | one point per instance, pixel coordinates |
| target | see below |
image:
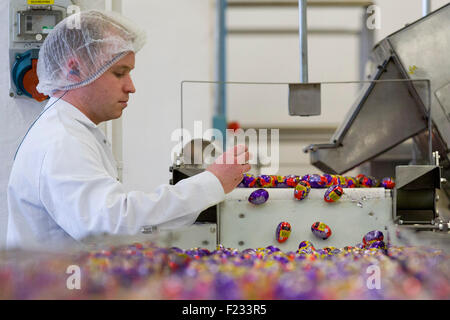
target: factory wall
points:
(180, 47)
(15, 117)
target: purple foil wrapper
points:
(258, 197)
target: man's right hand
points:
(230, 167)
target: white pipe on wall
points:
(426, 7)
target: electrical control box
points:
(30, 21)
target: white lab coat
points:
(63, 187)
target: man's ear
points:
(73, 70)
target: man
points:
(63, 185)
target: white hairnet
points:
(82, 47)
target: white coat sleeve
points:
(84, 199)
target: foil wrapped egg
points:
(266, 181)
(292, 181)
(306, 245)
(367, 181)
(280, 182)
(333, 194)
(376, 245)
(372, 236)
(375, 181)
(388, 183)
(329, 249)
(330, 180)
(341, 181)
(317, 181)
(321, 230)
(249, 180)
(351, 182)
(302, 190)
(258, 197)
(283, 231)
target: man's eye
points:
(118, 75)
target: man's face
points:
(107, 96)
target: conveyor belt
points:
(243, 225)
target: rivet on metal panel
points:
(205, 242)
(212, 229)
(241, 243)
(371, 213)
(241, 215)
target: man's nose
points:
(129, 86)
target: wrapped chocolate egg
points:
(351, 182)
(302, 190)
(306, 245)
(376, 245)
(321, 253)
(367, 181)
(272, 248)
(341, 181)
(266, 181)
(333, 194)
(330, 180)
(372, 236)
(363, 181)
(305, 177)
(280, 182)
(283, 232)
(317, 181)
(292, 181)
(329, 249)
(258, 197)
(321, 230)
(249, 180)
(375, 182)
(388, 183)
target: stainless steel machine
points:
(399, 111)
(407, 96)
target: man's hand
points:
(230, 167)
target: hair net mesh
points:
(82, 47)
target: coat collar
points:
(71, 111)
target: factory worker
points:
(63, 185)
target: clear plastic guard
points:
(263, 107)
